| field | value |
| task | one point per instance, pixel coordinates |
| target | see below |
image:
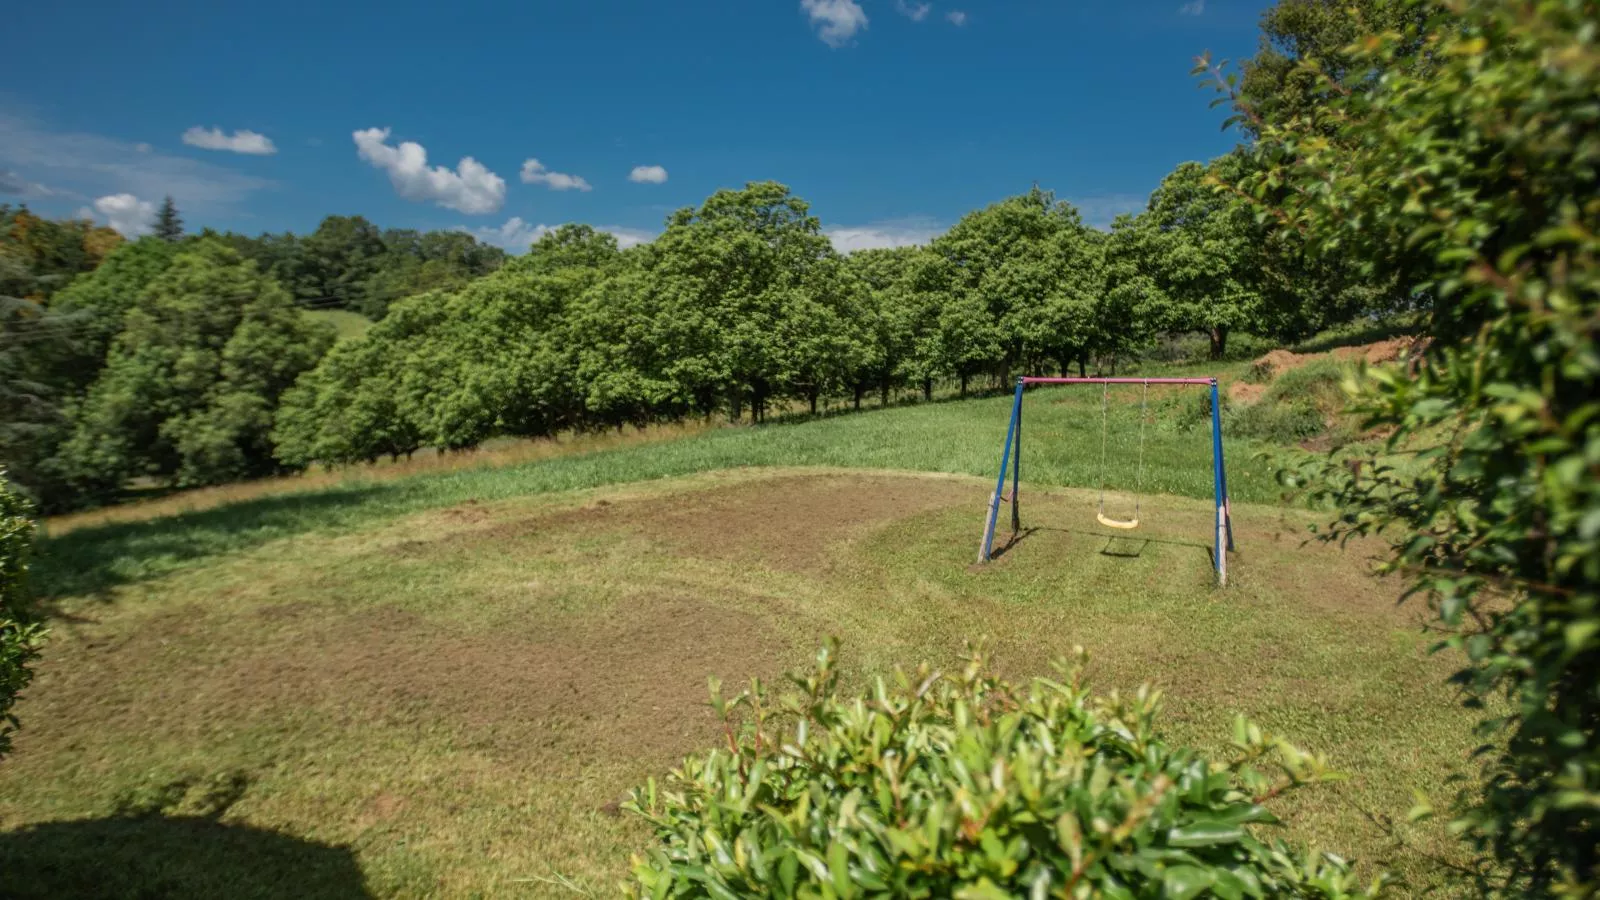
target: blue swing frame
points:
(1011, 458)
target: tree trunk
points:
(860, 389)
(1219, 341)
(1083, 370)
(927, 388)
(963, 384)
(884, 388)
(812, 396)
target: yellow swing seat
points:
(1125, 524)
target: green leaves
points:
(1467, 173)
(971, 787)
(20, 636)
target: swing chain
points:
(1105, 415)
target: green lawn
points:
(441, 685)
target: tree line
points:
(184, 360)
(187, 361)
(164, 358)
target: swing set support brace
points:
(1011, 462)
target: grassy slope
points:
(346, 323)
(447, 704)
(1063, 447)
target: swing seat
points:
(1125, 524)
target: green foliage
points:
(192, 380)
(46, 255)
(971, 787)
(1025, 278)
(19, 635)
(1305, 60)
(101, 298)
(1475, 184)
(349, 263)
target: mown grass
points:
(1063, 446)
(449, 703)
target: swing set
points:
(1011, 458)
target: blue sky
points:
(892, 117)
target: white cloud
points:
(908, 232)
(534, 172)
(84, 212)
(516, 235)
(916, 12)
(470, 188)
(1192, 8)
(956, 17)
(142, 147)
(628, 237)
(648, 175)
(1100, 210)
(836, 21)
(242, 141)
(91, 165)
(126, 213)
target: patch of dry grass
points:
(450, 703)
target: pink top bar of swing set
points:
(1031, 380)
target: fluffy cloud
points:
(910, 232)
(534, 172)
(956, 17)
(648, 175)
(836, 21)
(516, 235)
(1192, 8)
(241, 141)
(78, 164)
(126, 213)
(470, 188)
(916, 12)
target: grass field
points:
(440, 685)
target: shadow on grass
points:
(157, 856)
(144, 851)
(92, 560)
(1117, 545)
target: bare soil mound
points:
(1277, 362)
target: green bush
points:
(1283, 422)
(19, 637)
(1474, 184)
(971, 787)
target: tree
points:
(36, 345)
(167, 225)
(1305, 57)
(20, 636)
(451, 370)
(192, 381)
(1475, 184)
(731, 281)
(50, 253)
(1209, 258)
(1024, 281)
(99, 300)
